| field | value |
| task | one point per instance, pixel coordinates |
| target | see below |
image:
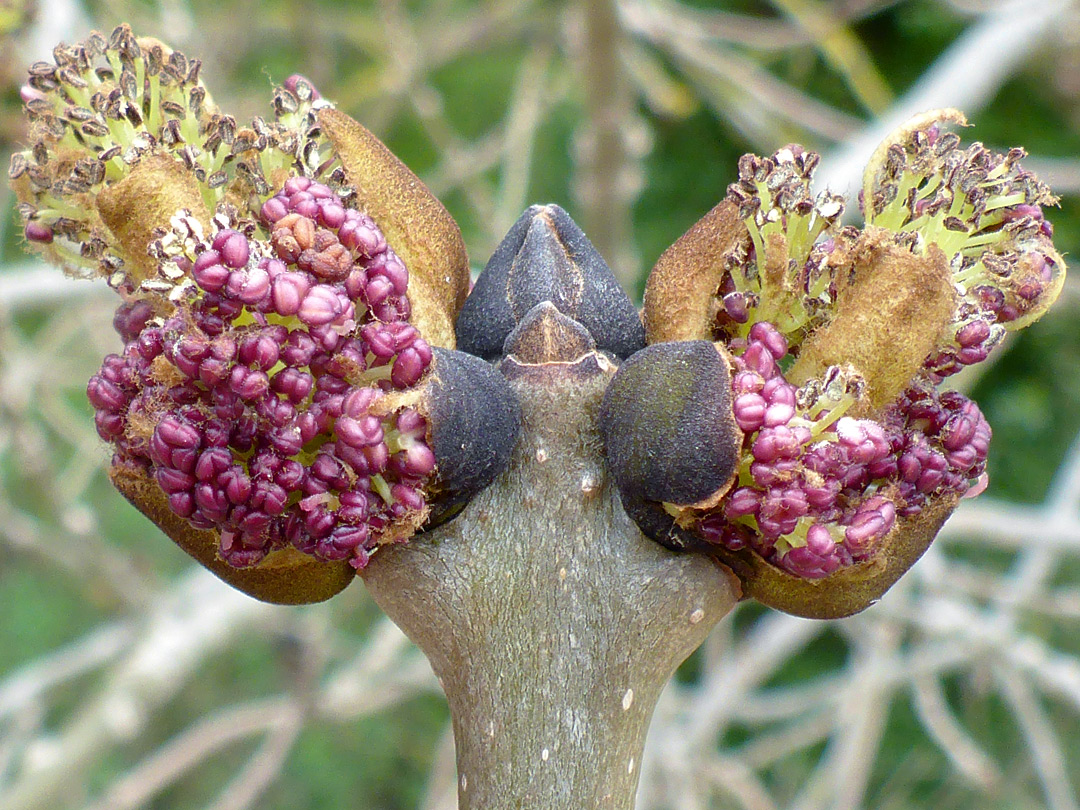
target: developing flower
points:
(819, 490)
(261, 402)
(124, 124)
(985, 212)
(851, 458)
(287, 398)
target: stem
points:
(551, 621)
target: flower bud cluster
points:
(819, 490)
(985, 212)
(981, 209)
(268, 384)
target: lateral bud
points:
(474, 419)
(669, 432)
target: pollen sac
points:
(546, 257)
(474, 419)
(669, 431)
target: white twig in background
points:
(966, 75)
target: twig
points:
(521, 127)
(198, 617)
(265, 765)
(32, 681)
(192, 746)
(963, 76)
(1046, 754)
(954, 741)
(607, 177)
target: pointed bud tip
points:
(545, 256)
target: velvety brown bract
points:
(284, 577)
(415, 223)
(847, 590)
(147, 198)
(680, 294)
(892, 307)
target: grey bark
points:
(550, 620)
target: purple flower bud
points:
(379, 339)
(209, 272)
(248, 384)
(360, 234)
(211, 502)
(758, 358)
(296, 185)
(747, 382)
(274, 209)
(300, 86)
(320, 306)
(331, 214)
(407, 496)
(735, 307)
(233, 247)
(212, 463)
(172, 481)
(182, 503)
(770, 337)
(743, 501)
(360, 432)
(38, 232)
(416, 460)
(872, 521)
(268, 498)
(358, 402)
(259, 350)
(410, 423)
(778, 391)
(293, 384)
(750, 412)
(288, 292)
(409, 367)
(377, 291)
(819, 540)
(248, 286)
(775, 443)
(973, 333)
(778, 414)
(298, 350)
(104, 395)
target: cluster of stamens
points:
(986, 213)
(106, 104)
(829, 465)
